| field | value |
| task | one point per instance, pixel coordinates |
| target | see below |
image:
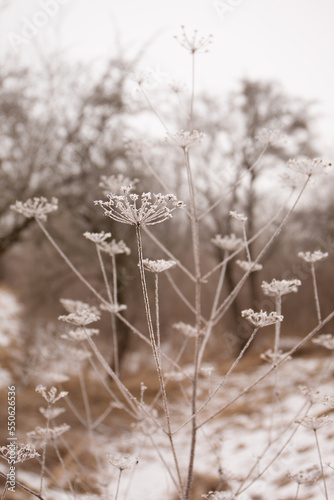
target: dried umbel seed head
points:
(97, 237)
(39, 208)
(18, 455)
(149, 212)
(51, 412)
(187, 330)
(79, 334)
(194, 44)
(277, 288)
(238, 216)
(115, 183)
(158, 266)
(122, 462)
(77, 306)
(308, 476)
(309, 166)
(114, 247)
(51, 396)
(81, 318)
(43, 434)
(272, 137)
(314, 423)
(312, 257)
(219, 495)
(325, 340)
(185, 139)
(262, 318)
(273, 357)
(228, 242)
(249, 266)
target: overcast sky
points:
(291, 41)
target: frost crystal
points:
(158, 266)
(309, 166)
(276, 288)
(51, 413)
(249, 266)
(229, 242)
(185, 139)
(36, 207)
(124, 208)
(313, 257)
(195, 43)
(261, 318)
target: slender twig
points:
(25, 488)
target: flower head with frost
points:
(185, 139)
(25, 452)
(273, 357)
(325, 340)
(314, 423)
(77, 306)
(238, 216)
(43, 434)
(51, 396)
(133, 147)
(309, 166)
(187, 330)
(122, 462)
(249, 266)
(97, 238)
(126, 209)
(81, 318)
(36, 207)
(178, 87)
(228, 242)
(277, 288)
(219, 495)
(262, 318)
(312, 257)
(312, 395)
(158, 266)
(194, 44)
(114, 247)
(114, 183)
(78, 355)
(142, 78)
(51, 413)
(78, 334)
(272, 137)
(113, 308)
(308, 476)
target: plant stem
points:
(321, 465)
(155, 351)
(315, 291)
